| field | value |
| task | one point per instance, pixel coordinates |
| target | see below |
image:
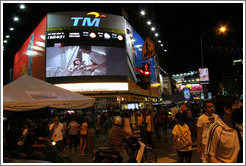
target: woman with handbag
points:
(182, 139)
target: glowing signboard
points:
(87, 21)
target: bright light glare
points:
(162, 45)
(223, 29)
(11, 29)
(22, 6)
(156, 34)
(7, 36)
(153, 28)
(159, 41)
(41, 44)
(5, 41)
(111, 86)
(165, 50)
(149, 22)
(142, 13)
(16, 19)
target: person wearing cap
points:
(116, 136)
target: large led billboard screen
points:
(71, 61)
(203, 74)
(134, 44)
(85, 53)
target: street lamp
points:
(221, 29)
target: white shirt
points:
(222, 142)
(205, 122)
(98, 59)
(57, 134)
(127, 127)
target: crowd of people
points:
(219, 130)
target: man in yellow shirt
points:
(149, 128)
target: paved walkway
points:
(163, 150)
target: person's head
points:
(209, 107)
(77, 61)
(85, 49)
(56, 119)
(179, 118)
(117, 121)
(224, 105)
(173, 104)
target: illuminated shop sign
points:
(88, 21)
(70, 21)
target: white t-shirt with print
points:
(58, 132)
(205, 122)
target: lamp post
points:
(222, 29)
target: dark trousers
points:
(149, 138)
(184, 156)
(73, 140)
(60, 145)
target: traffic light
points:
(143, 76)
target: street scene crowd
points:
(218, 131)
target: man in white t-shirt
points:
(203, 124)
(56, 132)
(222, 143)
(98, 66)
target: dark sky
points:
(180, 26)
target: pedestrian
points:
(73, 129)
(222, 144)
(149, 128)
(126, 122)
(83, 136)
(56, 132)
(203, 124)
(181, 131)
(174, 111)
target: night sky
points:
(180, 26)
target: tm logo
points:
(87, 21)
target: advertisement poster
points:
(85, 61)
(138, 44)
(203, 74)
(30, 59)
(187, 93)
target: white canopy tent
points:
(28, 93)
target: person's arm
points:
(199, 138)
(212, 159)
(43, 139)
(38, 146)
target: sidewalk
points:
(163, 149)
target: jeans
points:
(184, 155)
(149, 138)
(124, 155)
(73, 140)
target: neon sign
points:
(87, 21)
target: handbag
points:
(181, 142)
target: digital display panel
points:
(202, 96)
(210, 95)
(85, 53)
(203, 74)
(187, 93)
(138, 45)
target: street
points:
(163, 150)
